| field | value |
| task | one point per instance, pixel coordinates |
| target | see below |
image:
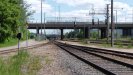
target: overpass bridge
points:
(79, 23)
(126, 27)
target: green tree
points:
(13, 14)
(77, 33)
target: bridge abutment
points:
(103, 33)
(37, 30)
(62, 36)
(127, 32)
(86, 32)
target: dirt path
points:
(23, 44)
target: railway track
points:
(104, 51)
(22, 48)
(106, 61)
(118, 42)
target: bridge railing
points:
(72, 19)
(64, 19)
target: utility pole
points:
(132, 15)
(44, 24)
(98, 29)
(0, 28)
(93, 13)
(41, 17)
(116, 21)
(108, 26)
(116, 24)
(27, 35)
(112, 25)
(59, 16)
(74, 26)
(59, 12)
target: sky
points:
(80, 9)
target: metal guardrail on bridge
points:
(64, 19)
(72, 19)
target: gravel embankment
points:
(61, 62)
(49, 55)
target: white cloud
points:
(101, 4)
(36, 6)
(81, 2)
(82, 8)
(80, 15)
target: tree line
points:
(13, 16)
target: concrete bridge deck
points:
(126, 27)
(78, 25)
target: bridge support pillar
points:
(62, 36)
(86, 32)
(126, 32)
(103, 33)
(37, 30)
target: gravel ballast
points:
(76, 66)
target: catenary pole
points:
(112, 25)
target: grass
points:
(118, 44)
(129, 46)
(21, 64)
(105, 45)
(12, 65)
(34, 65)
(126, 38)
(84, 42)
(11, 42)
(48, 61)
